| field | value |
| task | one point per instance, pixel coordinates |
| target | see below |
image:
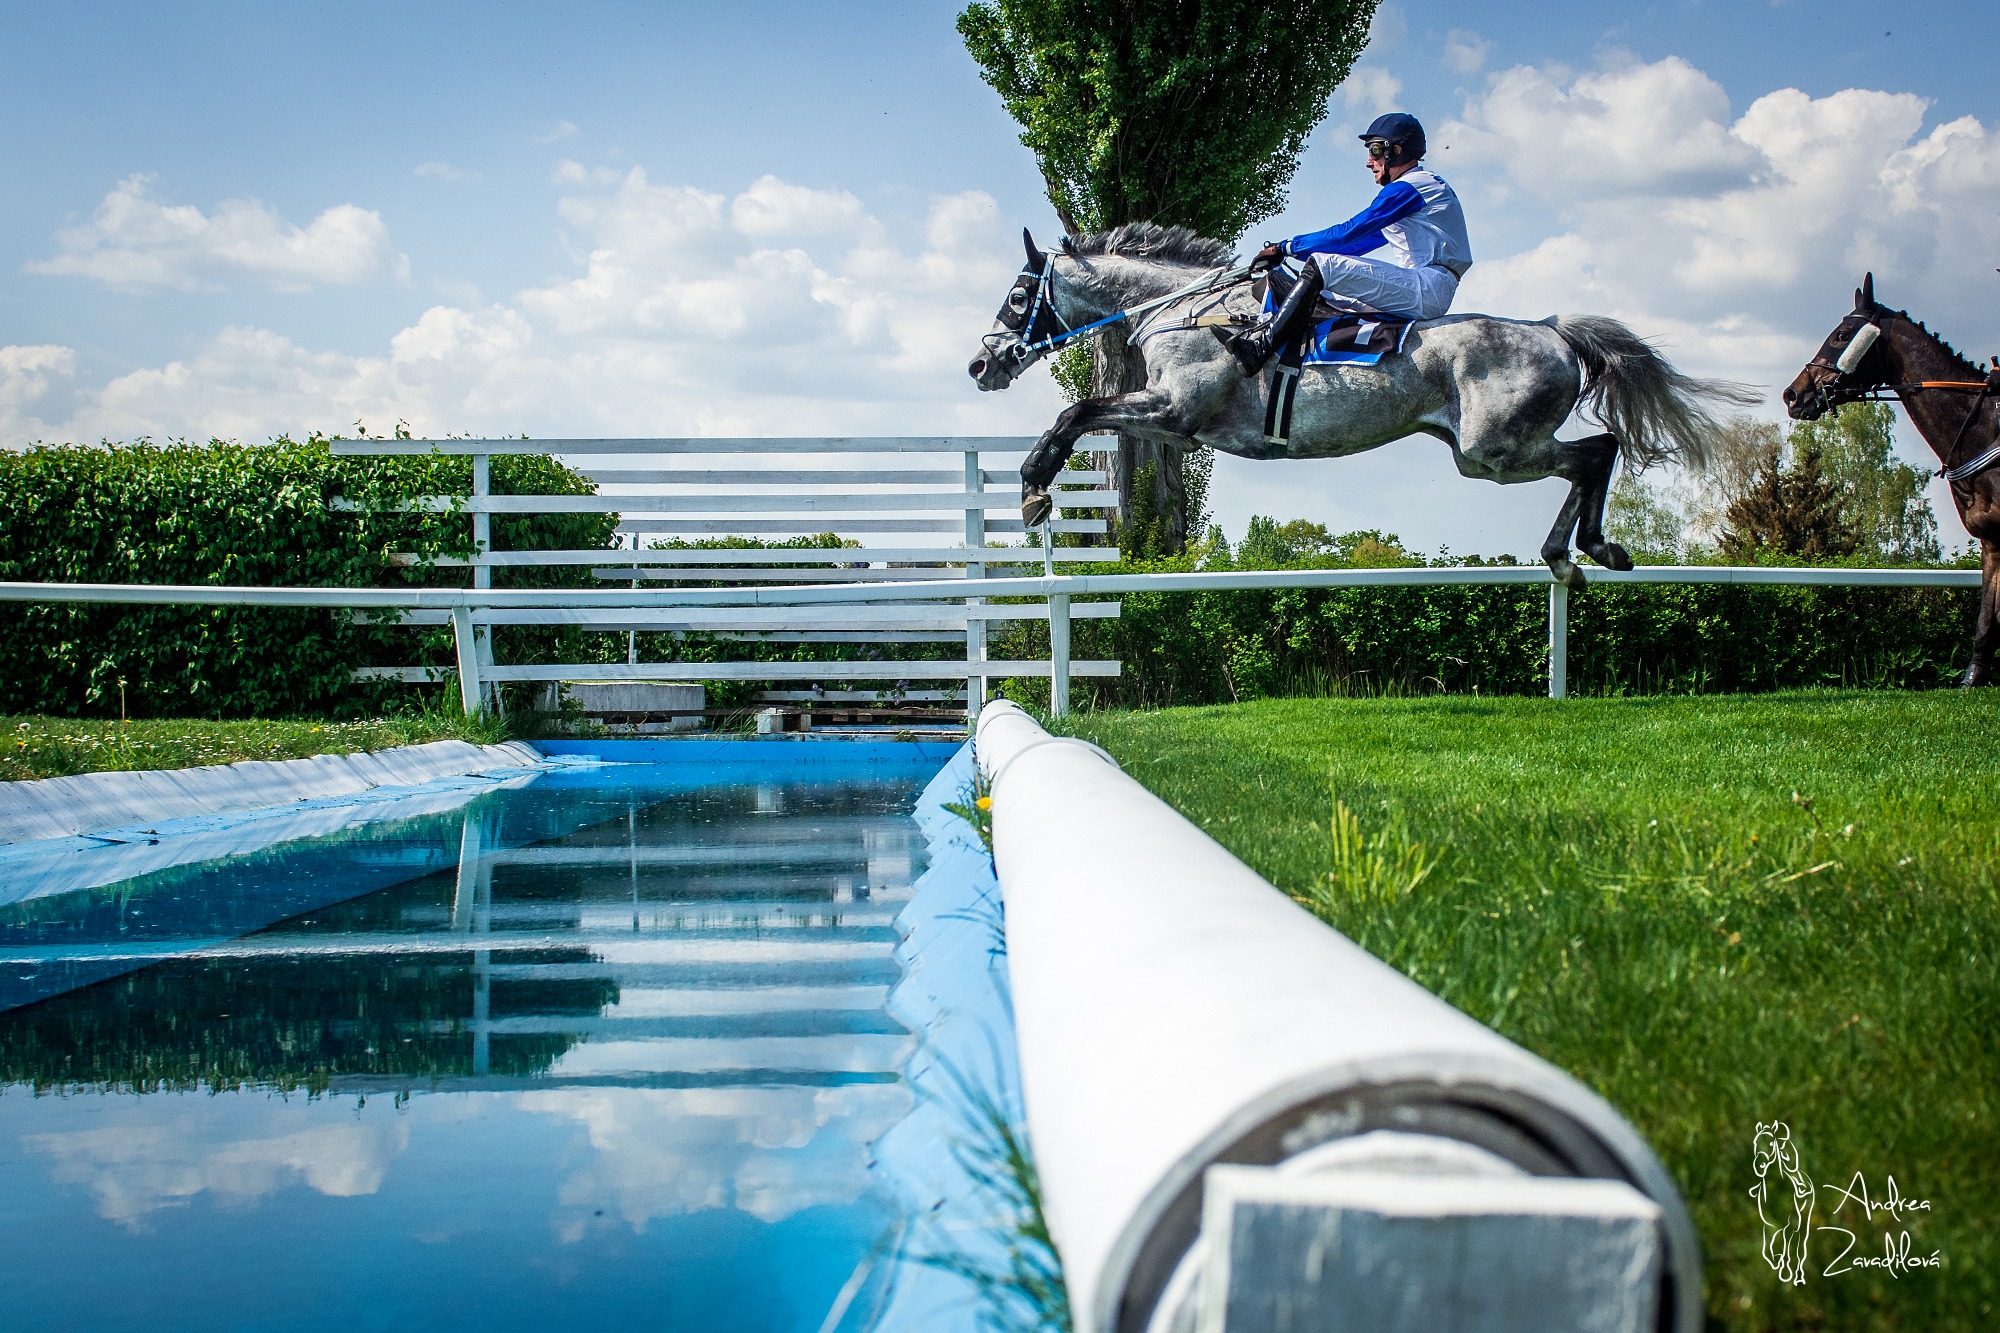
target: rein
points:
(1026, 351)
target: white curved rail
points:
(1175, 1011)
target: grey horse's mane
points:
(1149, 240)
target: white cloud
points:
(1465, 51)
(567, 172)
(782, 309)
(1371, 89)
(136, 243)
(27, 373)
(1642, 129)
(557, 132)
(445, 171)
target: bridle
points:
(1032, 295)
(1022, 313)
(1839, 383)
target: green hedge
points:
(1198, 648)
(231, 514)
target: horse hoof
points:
(1035, 507)
(1566, 572)
(1610, 555)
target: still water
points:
(605, 1050)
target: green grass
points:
(1714, 911)
(54, 747)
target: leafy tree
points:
(1795, 510)
(1644, 520)
(1737, 455)
(1882, 496)
(1188, 113)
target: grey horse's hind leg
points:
(1591, 461)
(1590, 518)
(1555, 551)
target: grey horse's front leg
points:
(1143, 411)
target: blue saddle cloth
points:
(1354, 340)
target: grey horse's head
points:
(1027, 316)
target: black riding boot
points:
(1254, 348)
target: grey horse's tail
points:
(1657, 413)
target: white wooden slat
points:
(652, 503)
(822, 556)
(691, 671)
(1088, 525)
(882, 697)
(782, 444)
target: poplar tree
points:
(1187, 113)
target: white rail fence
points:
(928, 489)
(1056, 593)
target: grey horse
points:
(1495, 390)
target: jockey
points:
(1416, 216)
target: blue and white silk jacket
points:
(1417, 218)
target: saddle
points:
(1334, 338)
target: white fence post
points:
(471, 686)
(482, 523)
(975, 627)
(1558, 640)
(1059, 654)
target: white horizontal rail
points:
(768, 444)
(1038, 586)
(923, 615)
(820, 477)
(818, 503)
(672, 671)
(813, 555)
(806, 526)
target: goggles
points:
(1380, 148)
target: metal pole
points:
(1558, 640)
(1059, 655)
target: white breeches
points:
(1369, 286)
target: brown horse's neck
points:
(1916, 354)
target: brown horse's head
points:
(1846, 365)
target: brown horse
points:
(1875, 352)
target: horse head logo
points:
(1786, 1214)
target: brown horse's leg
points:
(1986, 635)
(1590, 518)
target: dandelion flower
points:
(985, 803)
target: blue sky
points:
(243, 219)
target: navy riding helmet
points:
(1404, 133)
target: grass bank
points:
(55, 747)
(1715, 911)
